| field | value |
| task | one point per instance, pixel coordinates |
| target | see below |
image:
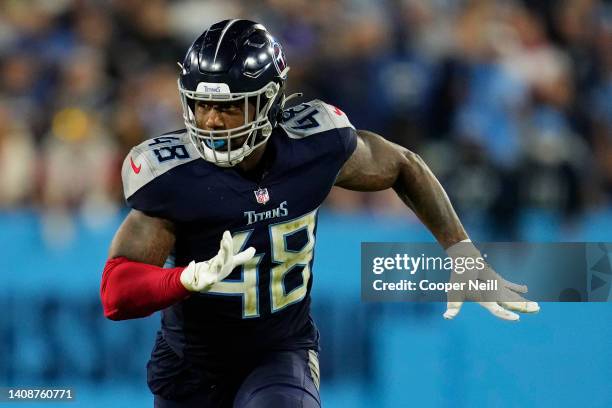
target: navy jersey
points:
(265, 304)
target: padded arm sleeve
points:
(131, 290)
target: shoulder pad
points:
(313, 117)
(154, 157)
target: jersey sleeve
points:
(347, 135)
(146, 173)
(325, 126)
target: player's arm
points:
(377, 164)
(134, 284)
(145, 239)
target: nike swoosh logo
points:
(134, 167)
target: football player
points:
(222, 227)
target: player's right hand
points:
(200, 276)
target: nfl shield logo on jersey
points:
(262, 196)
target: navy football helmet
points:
(233, 61)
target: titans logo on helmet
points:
(278, 58)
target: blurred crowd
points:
(510, 102)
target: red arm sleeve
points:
(133, 289)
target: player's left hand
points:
(201, 276)
(502, 302)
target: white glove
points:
(200, 276)
(507, 296)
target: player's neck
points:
(254, 164)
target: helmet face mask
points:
(228, 147)
(237, 62)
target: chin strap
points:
(288, 98)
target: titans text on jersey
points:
(280, 211)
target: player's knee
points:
(281, 397)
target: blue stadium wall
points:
(53, 333)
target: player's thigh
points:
(176, 382)
(196, 400)
(284, 379)
(208, 396)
